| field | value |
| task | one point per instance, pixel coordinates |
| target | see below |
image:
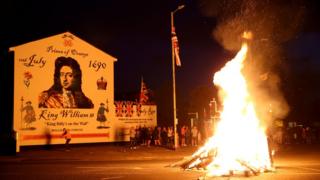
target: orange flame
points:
(239, 141)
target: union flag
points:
(175, 44)
(143, 93)
(119, 108)
(138, 109)
(129, 109)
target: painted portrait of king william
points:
(66, 92)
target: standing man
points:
(67, 136)
(132, 138)
(194, 132)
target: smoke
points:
(272, 23)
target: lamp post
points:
(174, 80)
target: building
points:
(64, 82)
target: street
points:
(63, 169)
(103, 162)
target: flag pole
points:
(141, 91)
(176, 139)
(175, 121)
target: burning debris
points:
(239, 145)
(207, 159)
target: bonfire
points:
(239, 144)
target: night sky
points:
(137, 33)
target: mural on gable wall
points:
(64, 82)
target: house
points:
(41, 107)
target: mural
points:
(101, 117)
(27, 78)
(29, 115)
(64, 82)
(66, 92)
(102, 84)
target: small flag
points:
(175, 43)
(119, 108)
(138, 109)
(143, 93)
(129, 108)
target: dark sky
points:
(137, 33)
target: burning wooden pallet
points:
(203, 160)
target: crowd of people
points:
(191, 136)
(299, 134)
(163, 136)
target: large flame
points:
(239, 143)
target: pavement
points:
(291, 162)
(97, 152)
(295, 154)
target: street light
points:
(174, 80)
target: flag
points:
(129, 108)
(175, 43)
(138, 109)
(119, 108)
(143, 93)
